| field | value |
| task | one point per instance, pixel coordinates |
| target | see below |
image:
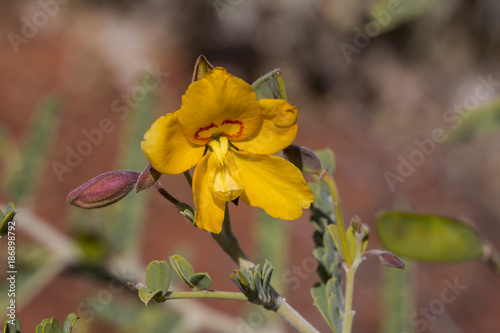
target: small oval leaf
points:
(146, 295)
(183, 268)
(201, 281)
(428, 238)
(10, 212)
(55, 325)
(270, 86)
(158, 276)
(69, 322)
(47, 328)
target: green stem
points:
(327, 177)
(349, 286)
(229, 243)
(206, 294)
(294, 318)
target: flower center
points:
(226, 183)
(230, 128)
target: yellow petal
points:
(219, 103)
(273, 184)
(278, 129)
(167, 148)
(209, 210)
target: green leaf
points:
(125, 217)
(270, 86)
(327, 158)
(321, 301)
(272, 244)
(481, 122)
(69, 322)
(335, 306)
(201, 281)
(9, 328)
(55, 325)
(351, 242)
(201, 67)
(428, 238)
(146, 294)
(389, 14)
(183, 268)
(398, 299)
(334, 231)
(10, 212)
(47, 328)
(32, 157)
(186, 211)
(158, 276)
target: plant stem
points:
(349, 286)
(206, 294)
(165, 194)
(294, 318)
(327, 177)
(229, 243)
(188, 177)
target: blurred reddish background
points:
(368, 107)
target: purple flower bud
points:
(387, 258)
(148, 178)
(104, 189)
(391, 260)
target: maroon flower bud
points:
(387, 258)
(148, 178)
(104, 189)
(391, 260)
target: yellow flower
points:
(223, 129)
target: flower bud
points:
(391, 260)
(303, 158)
(104, 189)
(201, 67)
(148, 178)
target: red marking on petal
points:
(212, 125)
(234, 122)
(197, 134)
